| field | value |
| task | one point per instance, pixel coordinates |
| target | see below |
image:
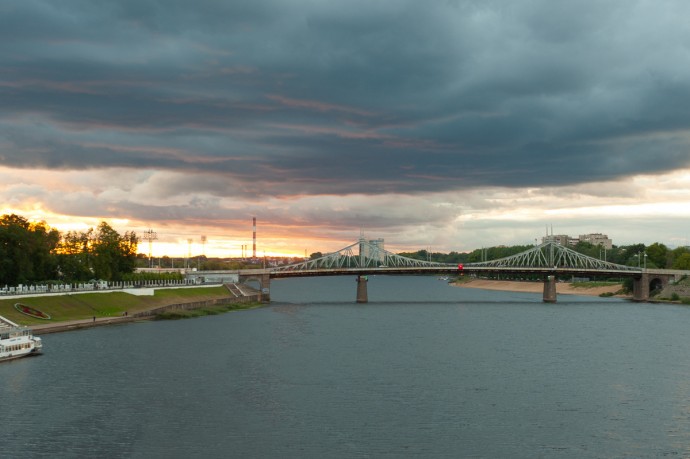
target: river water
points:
(424, 370)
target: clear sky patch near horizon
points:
(448, 125)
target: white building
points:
(562, 239)
(593, 238)
(374, 249)
(597, 239)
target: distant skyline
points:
(446, 126)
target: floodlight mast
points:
(189, 251)
(150, 235)
(203, 252)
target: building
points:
(562, 239)
(597, 239)
(593, 238)
(374, 249)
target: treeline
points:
(484, 254)
(32, 253)
(656, 255)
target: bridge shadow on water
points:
(411, 290)
(513, 301)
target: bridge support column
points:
(362, 296)
(550, 289)
(265, 288)
(641, 288)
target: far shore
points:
(562, 288)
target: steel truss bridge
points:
(364, 256)
(547, 260)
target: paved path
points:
(83, 323)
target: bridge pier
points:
(362, 296)
(549, 289)
(641, 288)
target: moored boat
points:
(17, 341)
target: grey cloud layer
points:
(348, 97)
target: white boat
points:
(17, 341)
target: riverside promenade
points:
(70, 325)
(238, 294)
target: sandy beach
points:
(536, 287)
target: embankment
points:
(72, 312)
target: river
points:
(424, 370)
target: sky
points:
(442, 125)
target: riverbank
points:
(72, 311)
(562, 288)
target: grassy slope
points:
(593, 284)
(85, 305)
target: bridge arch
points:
(260, 282)
(657, 283)
(647, 283)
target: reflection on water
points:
(423, 370)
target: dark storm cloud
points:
(348, 97)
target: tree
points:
(631, 255)
(42, 243)
(675, 255)
(113, 255)
(657, 255)
(26, 251)
(682, 261)
(102, 253)
(73, 255)
(588, 249)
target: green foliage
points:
(495, 253)
(114, 255)
(25, 251)
(147, 276)
(73, 256)
(177, 314)
(682, 261)
(628, 285)
(452, 257)
(589, 249)
(675, 297)
(34, 253)
(657, 255)
(594, 284)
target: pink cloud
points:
(318, 106)
(310, 129)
